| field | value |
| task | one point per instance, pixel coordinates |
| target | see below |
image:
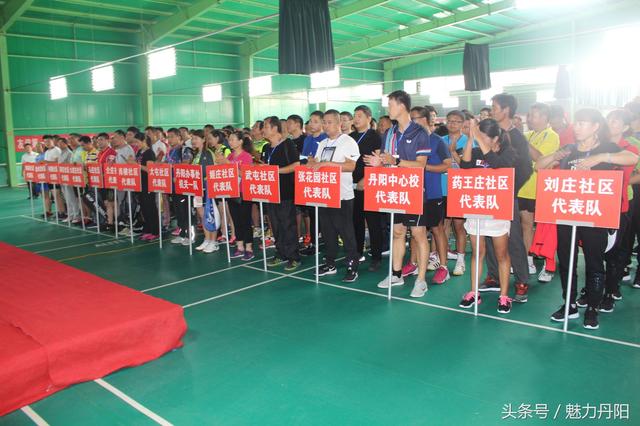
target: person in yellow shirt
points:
(542, 141)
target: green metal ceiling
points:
(363, 30)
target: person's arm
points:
(439, 168)
(505, 159)
(622, 158)
(552, 160)
(285, 170)
(635, 179)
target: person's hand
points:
(387, 158)
(131, 160)
(360, 185)
(590, 162)
(560, 154)
(373, 160)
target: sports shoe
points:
(144, 237)
(441, 275)
(211, 247)
(248, 255)
(452, 255)
(532, 266)
(409, 269)
(469, 299)
(460, 267)
(306, 240)
(504, 304)
(202, 246)
(270, 243)
(419, 288)
(559, 314)
(340, 242)
(237, 254)
(545, 276)
(489, 284)
(434, 261)
(274, 261)
(292, 265)
(257, 232)
(362, 259)
(521, 293)
(591, 319)
(636, 282)
(607, 304)
(617, 295)
(153, 237)
(627, 274)
(222, 239)
(176, 232)
(177, 240)
(582, 299)
(188, 241)
(395, 281)
(350, 276)
(125, 232)
(309, 250)
(326, 269)
(232, 240)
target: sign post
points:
(188, 179)
(77, 180)
(54, 179)
(577, 198)
(111, 182)
(480, 194)
(64, 174)
(129, 180)
(317, 188)
(261, 184)
(159, 181)
(28, 171)
(40, 170)
(95, 180)
(223, 182)
(393, 190)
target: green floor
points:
(270, 348)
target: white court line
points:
(34, 416)
(448, 308)
(122, 240)
(51, 241)
(13, 217)
(132, 402)
(52, 222)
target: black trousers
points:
(594, 243)
(149, 211)
(181, 207)
(616, 258)
(241, 215)
(632, 236)
(283, 223)
(373, 222)
(334, 222)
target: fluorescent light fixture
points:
(539, 4)
(402, 27)
(58, 88)
(211, 93)
(325, 79)
(385, 101)
(411, 86)
(102, 78)
(162, 63)
(442, 14)
(259, 86)
(368, 91)
(467, 7)
(317, 96)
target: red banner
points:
(52, 173)
(20, 141)
(318, 187)
(29, 171)
(585, 198)
(94, 171)
(110, 176)
(159, 177)
(261, 184)
(40, 170)
(77, 175)
(223, 181)
(394, 189)
(129, 177)
(482, 192)
(188, 179)
(65, 173)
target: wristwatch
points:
(397, 161)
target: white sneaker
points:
(177, 240)
(460, 267)
(419, 289)
(202, 246)
(211, 247)
(434, 262)
(545, 276)
(452, 255)
(125, 232)
(188, 241)
(395, 281)
(257, 233)
(532, 267)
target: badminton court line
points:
(35, 417)
(53, 240)
(52, 222)
(132, 402)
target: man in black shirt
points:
(294, 125)
(503, 110)
(282, 153)
(369, 141)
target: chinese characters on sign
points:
(95, 175)
(128, 177)
(52, 173)
(317, 187)
(110, 176)
(481, 192)
(222, 181)
(188, 179)
(261, 183)
(159, 177)
(64, 171)
(392, 189)
(592, 197)
(40, 170)
(29, 171)
(76, 174)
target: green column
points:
(7, 113)
(246, 72)
(146, 91)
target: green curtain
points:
(475, 67)
(306, 45)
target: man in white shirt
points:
(51, 155)
(123, 154)
(29, 156)
(339, 150)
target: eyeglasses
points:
(454, 122)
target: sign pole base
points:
(317, 248)
(189, 230)
(570, 278)
(390, 255)
(159, 219)
(226, 228)
(264, 244)
(95, 191)
(130, 216)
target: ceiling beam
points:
(166, 26)
(270, 40)
(11, 11)
(65, 13)
(111, 6)
(366, 43)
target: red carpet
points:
(60, 326)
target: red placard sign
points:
(394, 189)
(40, 170)
(576, 197)
(64, 173)
(159, 177)
(94, 171)
(481, 193)
(52, 173)
(261, 184)
(110, 176)
(29, 171)
(77, 175)
(318, 187)
(129, 177)
(223, 181)
(188, 179)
